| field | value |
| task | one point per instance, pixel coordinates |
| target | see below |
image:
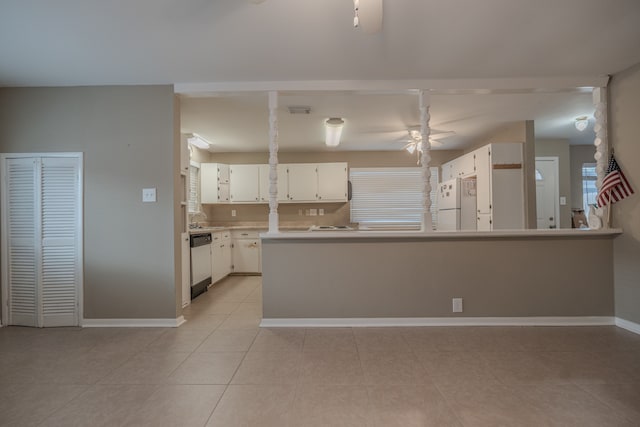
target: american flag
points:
(615, 186)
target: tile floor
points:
(220, 369)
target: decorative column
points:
(425, 131)
(273, 162)
(602, 144)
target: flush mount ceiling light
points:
(581, 123)
(198, 141)
(333, 129)
(367, 14)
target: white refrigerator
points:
(457, 204)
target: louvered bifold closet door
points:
(22, 258)
(60, 271)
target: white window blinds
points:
(194, 189)
(390, 196)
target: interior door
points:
(547, 192)
(44, 240)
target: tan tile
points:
(177, 405)
(213, 307)
(330, 339)
(522, 368)
(567, 405)
(178, 339)
(248, 309)
(269, 368)
(340, 368)
(623, 398)
(380, 339)
(410, 405)
(129, 339)
(431, 339)
(392, 368)
(583, 368)
(203, 322)
(146, 368)
(253, 405)
(228, 340)
(254, 296)
(28, 405)
(278, 339)
(456, 367)
(207, 368)
(490, 406)
(102, 405)
(241, 322)
(626, 362)
(330, 405)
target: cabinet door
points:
(186, 269)
(446, 173)
(282, 183)
(484, 222)
(467, 165)
(185, 158)
(332, 182)
(208, 183)
(483, 183)
(225, 253)
(246, 256)
(303, 182)
(223, 173)
(216, 262)
(244, 183)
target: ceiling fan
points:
(414, 142)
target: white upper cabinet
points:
(461, 167)
(244, 183)
(303, 182)
(483, 182)
(332, 182)
(214, 183)
(282, 183)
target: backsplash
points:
(289, 213)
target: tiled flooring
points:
(220, 369)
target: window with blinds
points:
(194, 189)
(390, 196)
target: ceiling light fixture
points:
(581, 123)
(333, 127)
(198, 141)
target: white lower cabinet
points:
(186, 269)
(246, 256)
(220, 255)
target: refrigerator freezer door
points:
(449, 194)
(449, 220)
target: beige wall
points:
(624, 126)
(289, 213)
(127, 137)
(418, 277)
(579, 154)
(559, 148)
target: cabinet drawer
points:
(245, 234)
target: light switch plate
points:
(148, 194)
(321, 212)
(563, 200)
(233, 212)
(457, 305)
(313, 212)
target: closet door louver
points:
(21, 234)
(60, 234)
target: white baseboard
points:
(438, 321)
(628, 325)
(133, 323)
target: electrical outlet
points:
(313, 212)
(148, 194)
(457, 305)
(233, 212)
(321, 212)
(563, 200)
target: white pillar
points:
(601, 143)
(273, 162)
(425, 101)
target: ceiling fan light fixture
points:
(411, 147)
(582, 123)
(333, 131)
(198, 141)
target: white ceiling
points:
(98, 42)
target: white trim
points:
(438, 321)
(628, 325)
(133, 323)
(453, 86)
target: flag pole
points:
(609, 205)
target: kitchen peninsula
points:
(369, 278)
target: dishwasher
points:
(200, 263)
